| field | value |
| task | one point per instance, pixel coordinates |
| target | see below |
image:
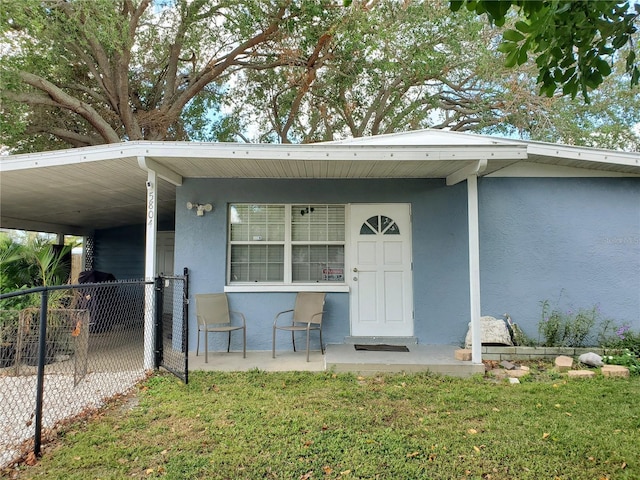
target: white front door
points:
(380, 276)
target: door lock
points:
(355, 269)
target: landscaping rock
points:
(524, 367)
(507, 365)
(581, 373)
(564, 363)
(591, 359)
(615, 371)
(493, 332)
(463, 354)
(513, 380)
(519, 373)
(499, 373)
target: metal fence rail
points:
(74, 347)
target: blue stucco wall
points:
(441, 295)
(572, 241)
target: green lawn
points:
(326, 426)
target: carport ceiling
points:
(77, 191)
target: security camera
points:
(149, 184)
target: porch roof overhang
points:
(77, 191)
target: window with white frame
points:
(286, 243)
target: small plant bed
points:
(305, 425)
(576, 333)
(546, 371)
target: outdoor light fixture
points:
(200, 208)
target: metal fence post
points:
(42, 353)
(158, 322)
(185, 324)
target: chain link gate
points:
(172, 330)
(66, 349)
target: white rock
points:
(592, 359)
(494, 331)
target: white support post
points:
(150, 269)
(474, 268)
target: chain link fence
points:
(172, 327)
(68, 351)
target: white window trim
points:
(280, 287)
(287, 285)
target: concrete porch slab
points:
(342, 358)
(285, 361)
(433, 358)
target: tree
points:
(389, 67)
(87, 72)
(574, 42)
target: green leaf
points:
(603, 67)
(620, 41)
(512, 58)
(570, 87)
(542, 45)
(497, 9)
(454, 5)
(506, 47)
(522, 56)
(523, 27)
(542, 60)
(568, 73)
(635, 76)
(548, 86)
(512, 36)
(631, 58)
(593, 79)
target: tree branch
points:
(68, 102)
(73, 138)
(213, 70)
(314, 63)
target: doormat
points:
(381, 348)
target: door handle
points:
(355, 269)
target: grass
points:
(302, 425)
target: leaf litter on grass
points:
(327, 425)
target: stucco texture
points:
(574, 242)
(440, 257)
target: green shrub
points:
(618, 337)
(566, 329)
(626, 358)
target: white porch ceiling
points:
(80, 190)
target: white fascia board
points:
(321, 152)
(541, 170)
(631, 159)
(193, 150)
(69, 156)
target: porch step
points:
(438, 359)
(381, 340)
